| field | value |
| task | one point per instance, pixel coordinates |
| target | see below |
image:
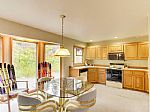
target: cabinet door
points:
(146, 82)
(104, 52)
(139, 83)
(101, 52)
(127, 79)
(142, 50)
(98, 53)
(92, 75)
(130, 51)
(91, 53)
(115, 48)
(88, 53)
(102, 75)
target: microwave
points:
(116, 56)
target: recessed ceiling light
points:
(91, 40)
(115, 37)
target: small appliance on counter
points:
(114, 75)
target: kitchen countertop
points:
(84, 67)
(146, 70)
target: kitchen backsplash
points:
(139, 63)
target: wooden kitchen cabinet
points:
(139, 78)
(127, 79)
(92, 75)
(91, 52)
(115, 48)
(98, 53)
(73, 72)
(143, 51)
(101, 75)
(104, 52)
(101, 52)
(131, 51)
(133, 79)
(146, 82)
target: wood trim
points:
(38, 52)
(42, 51)
(11, 50)
(3, 50)
(24, 40)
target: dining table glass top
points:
(66, 87)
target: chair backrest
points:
(88, 98)
(25, 100)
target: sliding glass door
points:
(55, 61)
(24, 59)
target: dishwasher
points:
(83, 74)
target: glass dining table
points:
(65, 89)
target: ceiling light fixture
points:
(115, 37)
(62, 52)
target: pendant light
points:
(62, 52)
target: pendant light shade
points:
(62, 52)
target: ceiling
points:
(85, 20)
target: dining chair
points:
(83, 102)
(31, 104)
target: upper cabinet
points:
(115, 48)
(143, 50)
(101, 52)
(91, 52)
(135, 51)
(130, 51)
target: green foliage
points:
(24, 59)
(49, 57)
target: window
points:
(0, 50)
(55, 61)
(78, 55)
(24, 59)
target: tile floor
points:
(110, 100)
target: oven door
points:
(114, 75)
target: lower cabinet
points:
(101, 75)
(92, 75)
(97, 75)
(146, 82)
(127, 79)
(138, 81)
(134, 80)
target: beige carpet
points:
(120, 100)
(109, 100)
